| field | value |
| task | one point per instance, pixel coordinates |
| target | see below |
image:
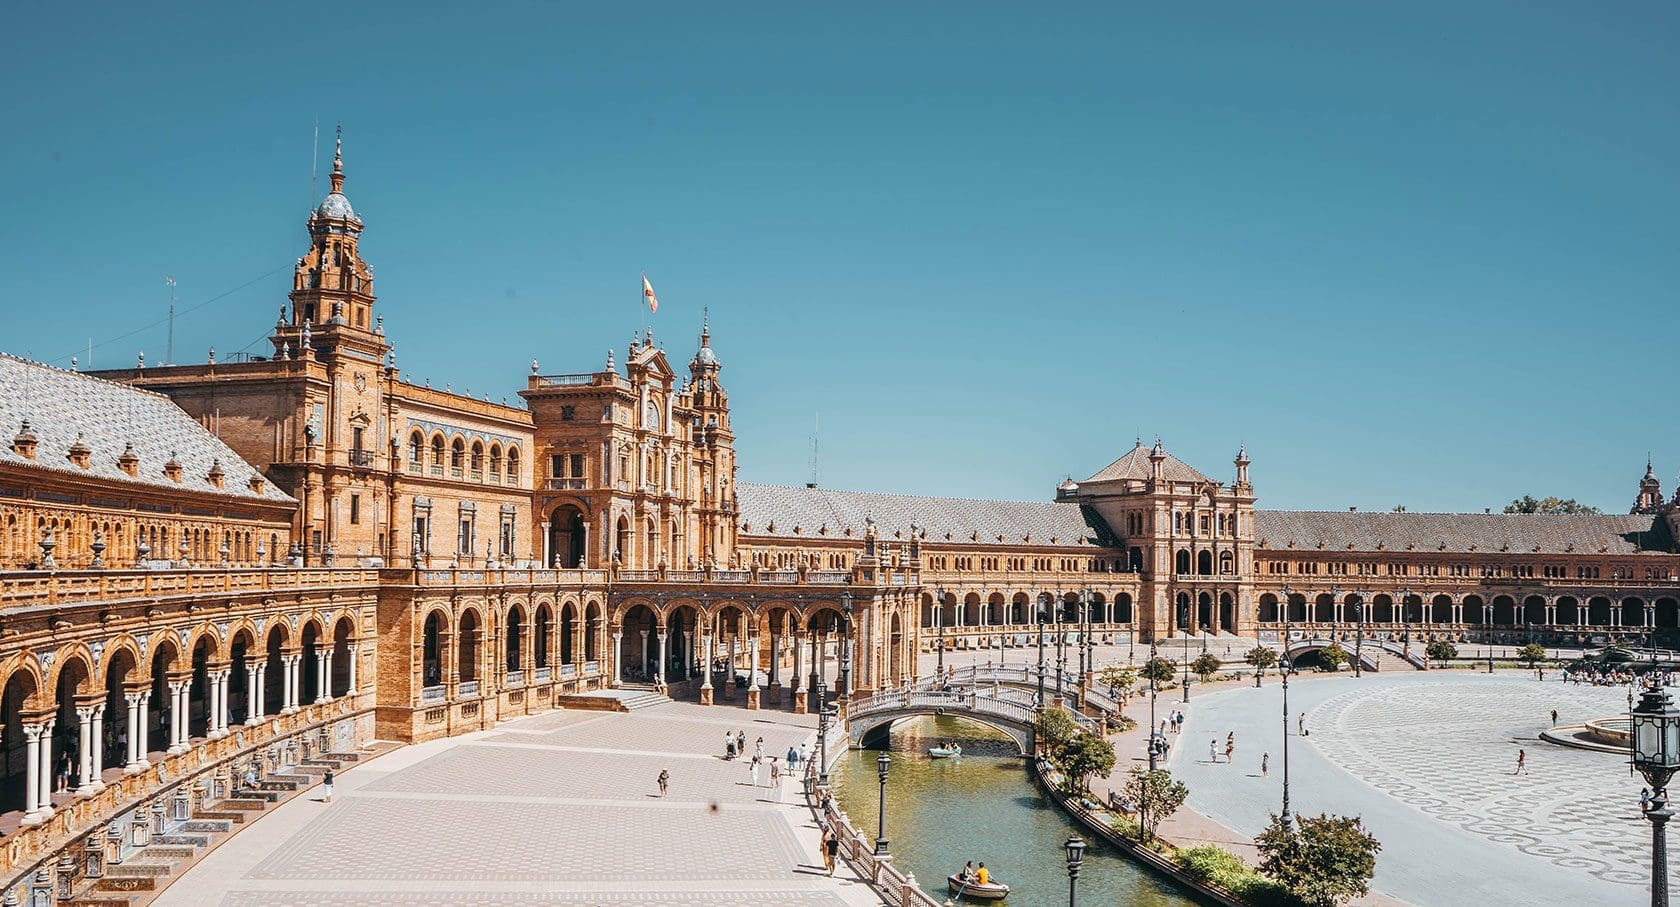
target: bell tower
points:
(332, 286)
(1650, 497)
(714, 450)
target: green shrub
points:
(1217, 866)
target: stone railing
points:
(896, 888)
(25, 589)
(280, 740)
(466, 688)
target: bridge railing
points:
(908, 698)
(979, 675)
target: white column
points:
(323, 678)
(664, 635)
(226, 707)
(752, 662)
(86, 741)
(44, 772)
(351, 691)
(32, 775)
(254, 692)
(290, 665)
(136, 732)
(176, 719)
(618, 648)
(706, 666)
(98, 747)
(215, 721)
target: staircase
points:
(143, 874)
(627, 697)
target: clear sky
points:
(1409, 253)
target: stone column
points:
(223, 683)
(254, 691)
(86, 743)
(45, 773)
(136, 731)
(33, 815)
(706, 689)
(752, 670)
(291, 664)
(662, 634)
(800, 697)
(351, 691)
(176, 719)
(617, 648)
(212, 703)
(98, 747)
(323, 675)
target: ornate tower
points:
(714, 452)
(1650, 497)
(332, 287)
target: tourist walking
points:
(1644, 800)
(728, 745)
(1230, 751)
(1301, 724)
(830, 849)
(1522, 763)
(758, 748)
(1264, 759)
(326, 787)
(792, 760)
(664, 782)
(1554, 717)
(804, 753)
(741, 742)
(1213, 750)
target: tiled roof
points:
(813, 510)
(108, 416)
(1135, 465)
(1275, 530)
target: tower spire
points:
(338, 159)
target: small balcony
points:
(559, 484)
(361, 459)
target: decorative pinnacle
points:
(338, 161)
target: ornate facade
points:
(211, 567)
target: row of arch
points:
(74, 536)
(69, 717)
(995, 610)
(1499, 610)
(459, 455)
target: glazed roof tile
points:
(813, 509)
(108, 416)
(1135, 465)
(1545, 533)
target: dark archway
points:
(568, 535)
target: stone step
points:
(244, 804)
(126, 883)
(91, 898)
(206, 826)
(184, 839)
(235, 816)
(133, 868)
(162, 853)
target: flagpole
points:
(642, 292)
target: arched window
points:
(1227, 563)
(457, 454)
(495, 459)
(512, 463)
(437, 454)
(1181, 563)
(478, 457)
(416, 447)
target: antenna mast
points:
(169, 348)
(814, 433)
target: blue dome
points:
(336, 206)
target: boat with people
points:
(975, 890)
(947, 751)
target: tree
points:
(1324, 861)
(1528, 504)
(1159, 671)
(1156, 796)
(1055, 727)
(1399, 508)
(1206, 665)
(1120, 678)
(1333, 656)
(1440, 650)
(1082, 756)
(1531, 654)
(1262, 657)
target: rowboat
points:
(974, 891)
(940, 752)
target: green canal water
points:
(983, 807)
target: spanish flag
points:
(647, 295)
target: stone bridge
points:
(868, 721)
(1370, 650)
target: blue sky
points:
(1417, 254)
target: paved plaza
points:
(553, 809)
(1427, 759)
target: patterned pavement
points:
(554, 809)
(1427, 761)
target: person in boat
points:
(968, 871)
(982, 876)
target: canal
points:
(983, 807)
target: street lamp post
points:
(1040, 701)
(1153, 689)
(1359, 637)
(939, 625)
(844, 688)
(1656, 753)
(883, 762)
(823, 716)
(1283, 674)
(1061, 656)
(1187, 669)
(1075, 858)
